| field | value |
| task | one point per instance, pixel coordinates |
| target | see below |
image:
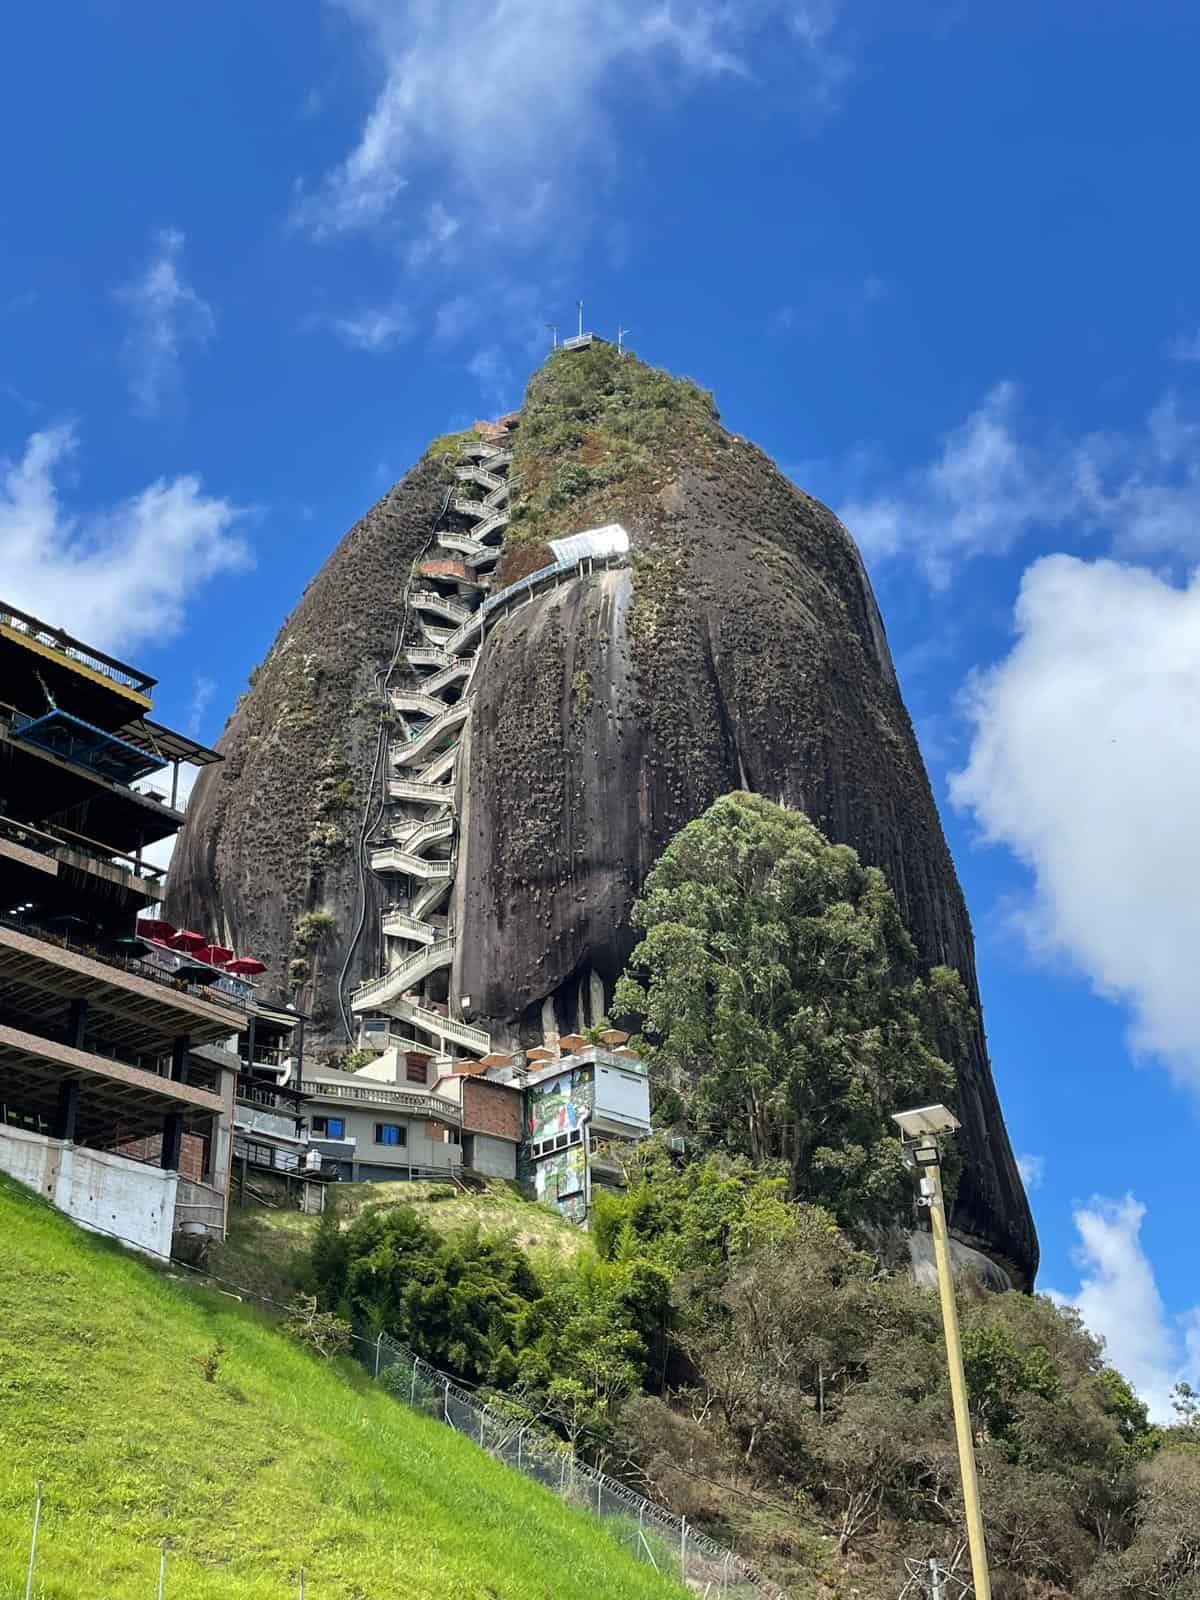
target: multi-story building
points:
(119, 1055)
(557, 1117)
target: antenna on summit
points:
(621, 332)
(579, 303)
(553, 326)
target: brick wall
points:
(491, 1108)
(149, 1149)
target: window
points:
(390, 1133)
(415, 1069)
(329, 1127)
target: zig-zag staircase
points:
(415, 848)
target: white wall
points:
(420, 1151)
(102, 1191)
(622, 1097)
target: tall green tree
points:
(783, 1008)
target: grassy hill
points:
(266, 1242)
(281, 1462)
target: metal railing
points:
(391, 858)
(653, 1534)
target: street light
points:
(921, 1130)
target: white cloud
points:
(1085, 762)
(993, 482)
(497, 382)
(1119, 1301)
(203, 689)
(166, 314)
(1185, 347)
(117, 576)
(438, 239)
(374, 329)
(1032, 1170)
(453, 318)
(492, 93)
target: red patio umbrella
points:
(186, 940)
(247, 965)
(156, 928)
(219, 954)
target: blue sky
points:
(938, 259)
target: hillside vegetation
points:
(152, 1409)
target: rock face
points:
(740, 648)
(272, 832)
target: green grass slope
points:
(280, 1463)
(267, 1244)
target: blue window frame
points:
(329, 1127)
(390, 1133)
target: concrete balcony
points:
(403, 925)
(433, 794)
(416, 700)
(440, 605)
(391, 858)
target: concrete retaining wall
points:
(95, 1188)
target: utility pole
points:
(621, 332)
(921, 1129)
(553, 326)
(579, 303)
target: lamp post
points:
(921, 1129)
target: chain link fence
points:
(655, 1535)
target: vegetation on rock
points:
(594, 421)
(782, 1006)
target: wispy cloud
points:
(993, 481)
(1119, 1301)
(166, 315)
(203, 689)
(119, 575)
(376, 329)
(1032, 1170)
(1185, 346)
(485, 92)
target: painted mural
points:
(554, 1106)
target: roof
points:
(168, 745)
(610, 540)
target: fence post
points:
(37, 1518)
(520, 1436)
(412, 1388)
(162, 1568)
(378, 1346)
(301, 1583)
(683, 1549)
(446, 1400)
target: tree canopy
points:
(782, 1006)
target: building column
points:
(77, 1013)
(172, 1141)
(179, 1055)
(68, 1109)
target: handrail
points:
(443, 1027)
(430, 600)
(427, 959)
(432, 1104)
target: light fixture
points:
(926, 1122)
(926, 1155)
